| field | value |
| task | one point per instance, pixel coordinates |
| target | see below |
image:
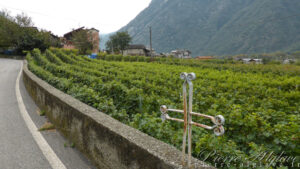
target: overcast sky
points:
(61, 16)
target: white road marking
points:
(38, 137)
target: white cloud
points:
(61, 16)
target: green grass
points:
(42, 113)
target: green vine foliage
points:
(261, 105)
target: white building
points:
(249, 60)
(288, 61)
(182, 54)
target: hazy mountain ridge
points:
(103, 39)
(218, 27)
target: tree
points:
(9, 30)
(23, 20)
(82, 41)
(19, 34)
(33, 38)
(54, 41)
(118, 42)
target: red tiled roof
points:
(204, 57)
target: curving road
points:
(21, 146)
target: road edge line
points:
(48, 152)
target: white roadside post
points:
(187, 119)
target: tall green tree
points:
(9, 30)
(29, 36)
(24, 20)
(33, 38)
(82, 41)
(118, 42)
(20, 34)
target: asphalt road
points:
(19, 149)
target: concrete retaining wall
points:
(107, 142)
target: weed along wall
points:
(107, 142)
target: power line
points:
(29, 11)
(50, 16)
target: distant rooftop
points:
(69, 34)
(204, 57)
(180, 51)
(136, 46)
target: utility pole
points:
(150, 29)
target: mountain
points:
(103, 39)
(219, 27)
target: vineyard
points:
(261, 105)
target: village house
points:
(254, 61)
(288, 61)
(94, 37)
(136, 50)
(182, 54)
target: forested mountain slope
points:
(219, 27)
